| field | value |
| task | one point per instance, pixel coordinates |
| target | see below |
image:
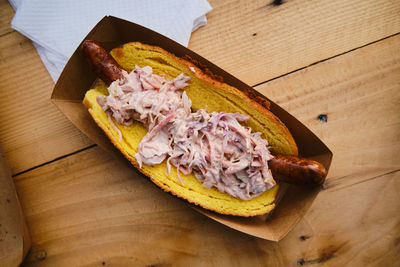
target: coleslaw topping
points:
(215, 147)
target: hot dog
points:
(291, 169)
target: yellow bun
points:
(205, 92)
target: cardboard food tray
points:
(112, 32)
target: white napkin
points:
(57, 26)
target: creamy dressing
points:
(215, 147)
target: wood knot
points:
(277, 2)
(40, 255)
(324, 254)
(322, 118)
(301, 262)
(304, 237)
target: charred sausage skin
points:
(295, 170)
(102, 63)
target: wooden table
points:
(339, 58)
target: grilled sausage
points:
(295, 170)
(102, 63)
(290, 169)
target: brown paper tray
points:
(112, 32)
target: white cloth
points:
(56, 27)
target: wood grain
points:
(6, 14)
(86, 210)
(32, 130)
(257, 41)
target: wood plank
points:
(6, 14)
(256, 41)
(30, 123)
(354, 226)
(85, 209)
(32, 130)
